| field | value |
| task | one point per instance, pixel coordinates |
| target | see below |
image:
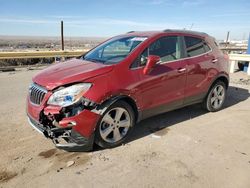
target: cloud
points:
(107, 21)
(65, 17)
(152, 2)
(29, 21)
(187, 3)
(129, 24)
(231, 14)
(157, 2)
(83, 22)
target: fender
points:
(220, 75)
(100, 109)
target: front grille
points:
(37, 94)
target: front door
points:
(163, 88)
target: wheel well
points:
(223, 79)
(132, 103)
(102, 107)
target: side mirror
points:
(152, 60)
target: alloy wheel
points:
(115, 125)
(218, 96)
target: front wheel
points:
(115, 125)
(216, 97)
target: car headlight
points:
(69, 95)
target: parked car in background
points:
(100, 96)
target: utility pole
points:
(227, 40)
(62, 37)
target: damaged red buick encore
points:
(100, 96)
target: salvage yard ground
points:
(184, 148)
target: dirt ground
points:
(184, 148)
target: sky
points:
(106, 18)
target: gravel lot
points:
(183, 148)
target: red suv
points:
(100, 96)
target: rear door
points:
(200, 59)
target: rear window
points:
(196, 46)
(206, 47)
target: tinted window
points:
(206, 47)
(195, 46)
(144, 57)
(141, 60)
(168, 48)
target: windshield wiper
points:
(94, 60)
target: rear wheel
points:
(115, 125)
(216, 97)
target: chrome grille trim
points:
(37, 94)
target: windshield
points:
(114, 50)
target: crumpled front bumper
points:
(71, 132)
(64, 138)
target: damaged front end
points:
(64, 138)
(70, 128)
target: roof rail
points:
(131, 32)
(184, 31)
(166, 30)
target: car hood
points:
(74, 70)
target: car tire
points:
(241, 66)
(115, 125)
(216, 97)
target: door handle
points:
(181, 70)
(214, 60)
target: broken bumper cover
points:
(64, 138)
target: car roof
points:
(172, 31)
